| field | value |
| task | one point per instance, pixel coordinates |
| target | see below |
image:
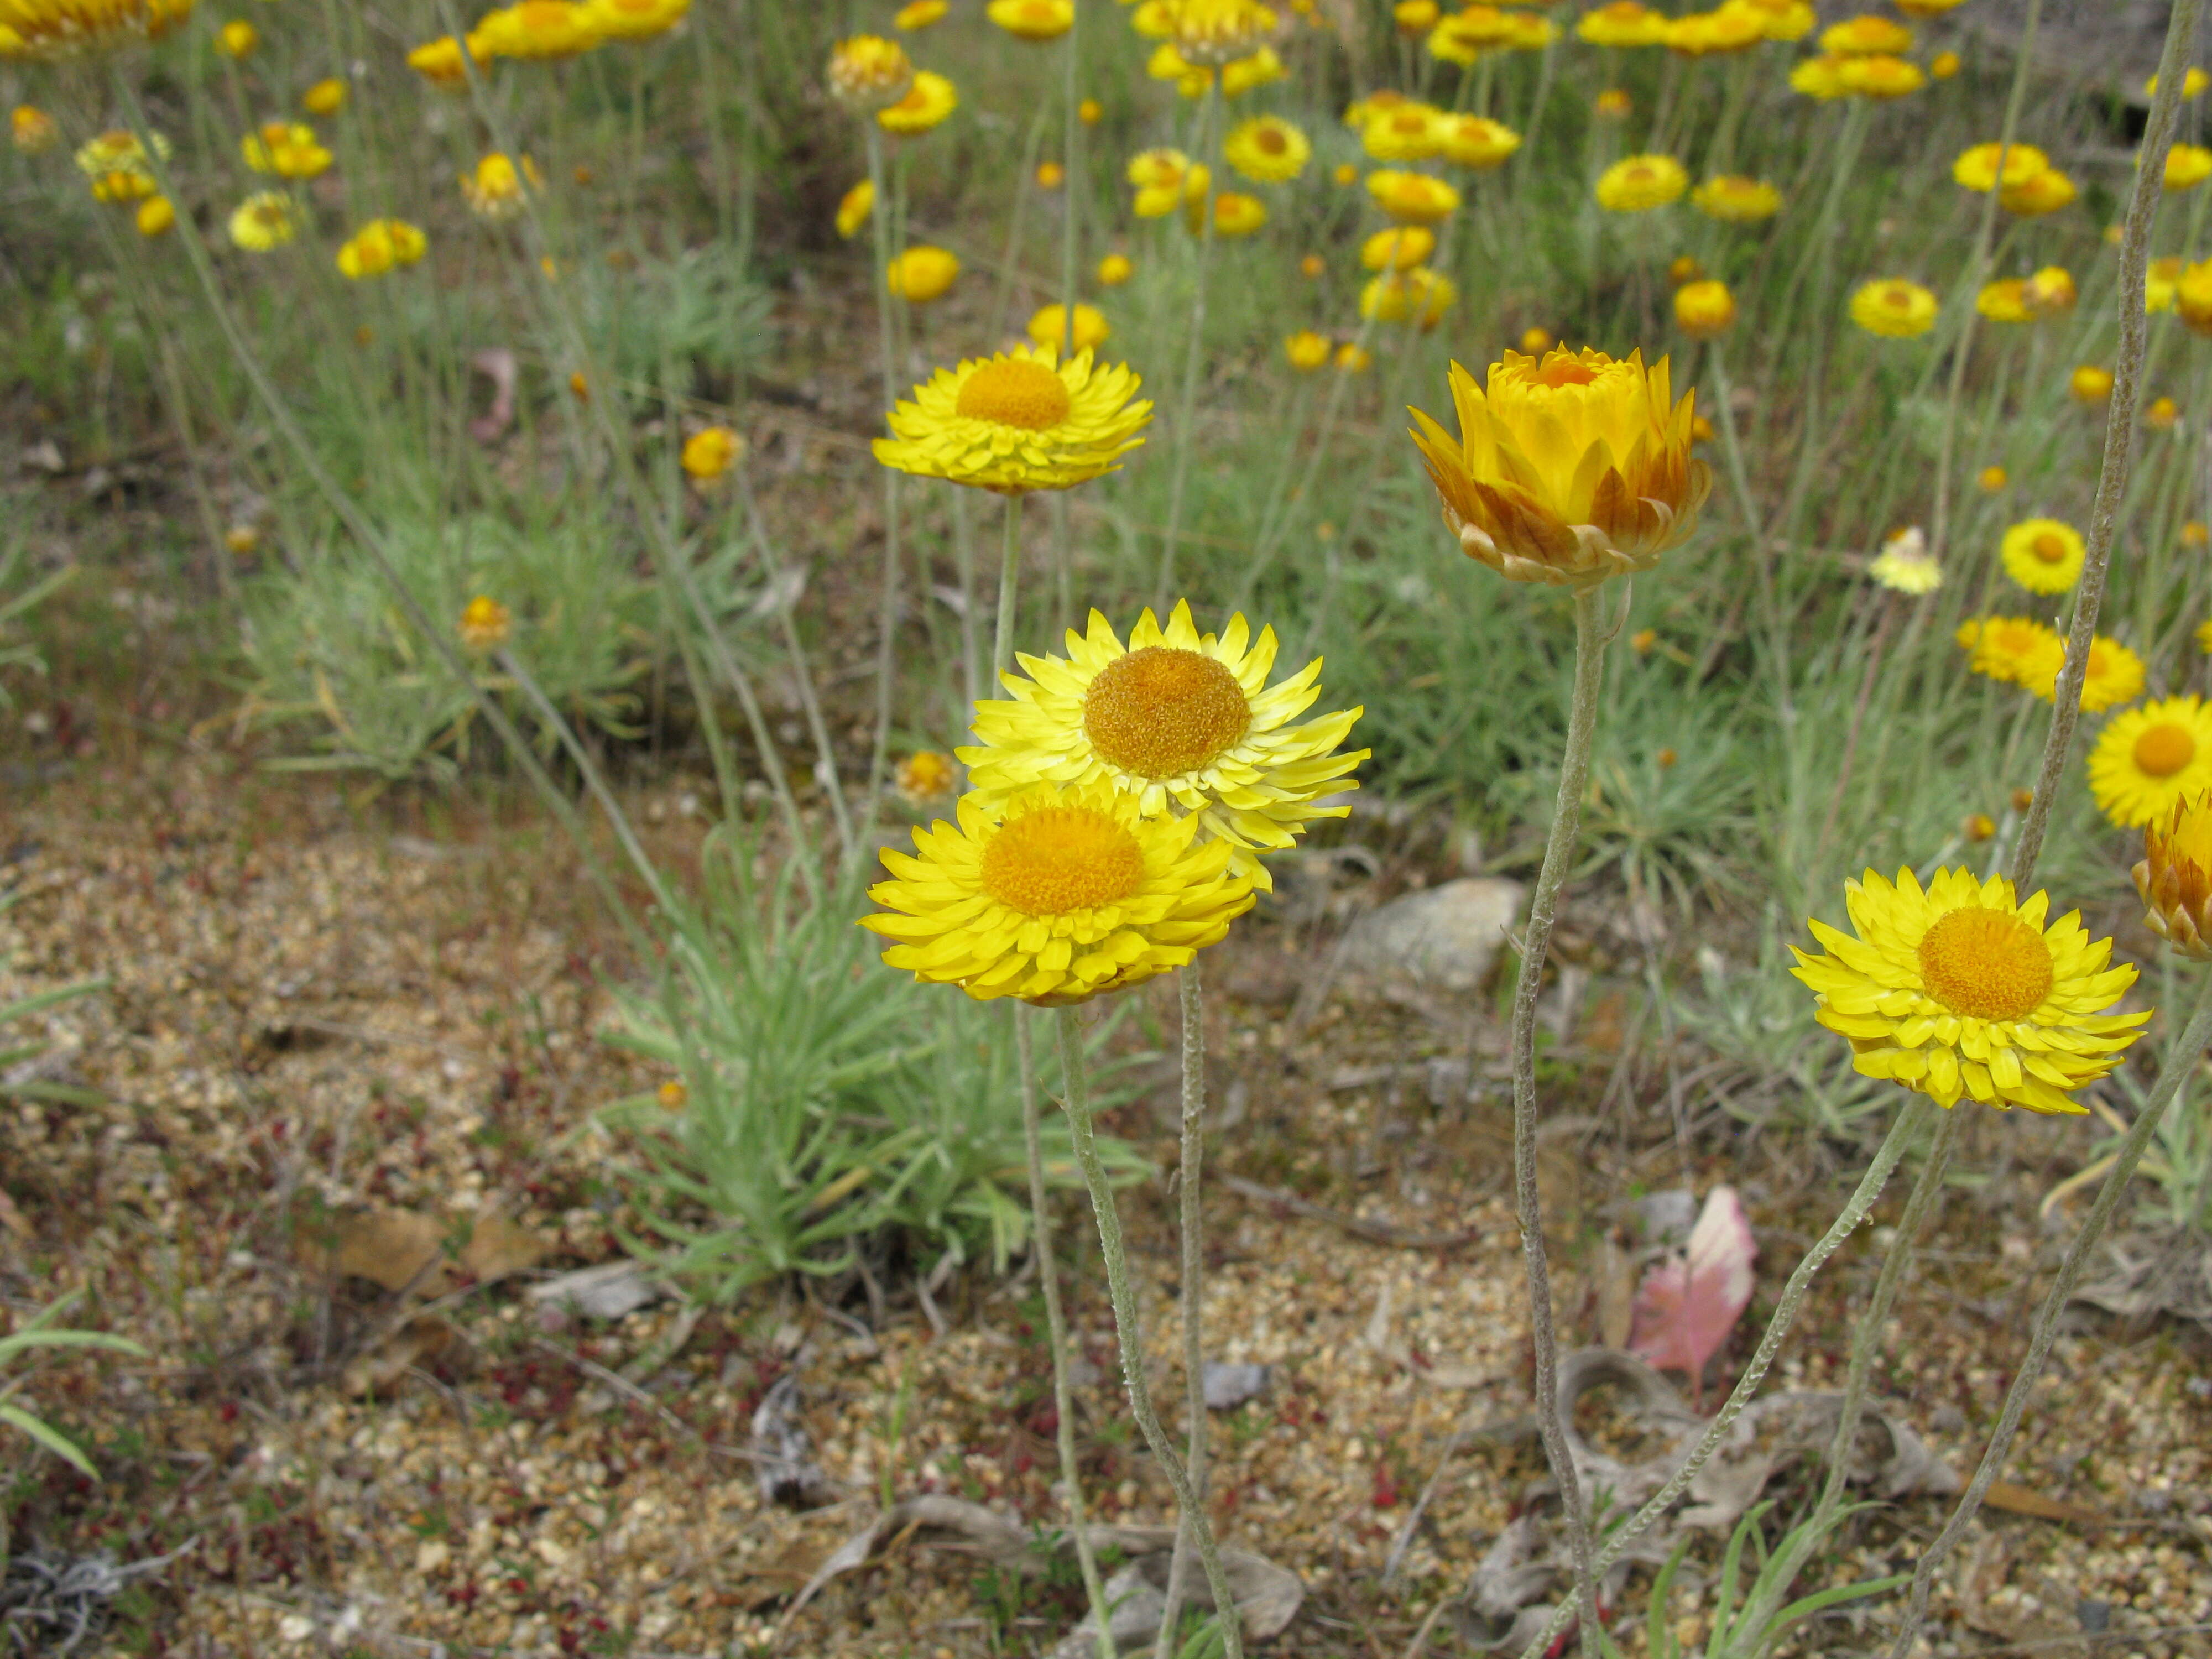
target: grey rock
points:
(1432, 949)
(606, 1291)
(1228, 1387)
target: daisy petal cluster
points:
(1183, 721)
(1960, 991)
(1018, 422)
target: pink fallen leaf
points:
(498, 365)
(1688, 1304)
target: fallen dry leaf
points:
(385, 1364)
(2026, 1500)
(1688, 1305)
(397, 1249)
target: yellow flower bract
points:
(1181, 722)
(1568, 469)
(2148, 757)
(1962, 992)
(1068, 893)
(1018, 422)
(1641, 183)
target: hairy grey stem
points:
(1908, 1125)
(2178, 1067)
(1190, 993)
(2120, 430)
(1590, 638)
(1056, 1319)
(1129, 1331)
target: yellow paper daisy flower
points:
(1412, 198)
(1623, 23)
(1398, 248)
(1477, 142)
(2046, 192)
(1977, 167)
(1403, 132)
(1735, 199)
(2115, 674)
(1070, 893)
(927, 102)
(2149, 758)
(1420, 296)
(262, 221)
(636, 19)
(1962, 992)
(61, 29)
(1181, 721)
(1894, 308)
(2044, 555)
(1018, 422)
(1267, 148)
(2009, 648)
(1641, 183)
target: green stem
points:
(2119, 431)
(363, 533)
(1195, 346)
(1902, 1133)
(2180, 1064)
(1190, 995)
(887, 619)
(1866, 1342)
(1056, 1319)
(1010, 576)
(1591, 637)
(1129, 1331)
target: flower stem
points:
(1209, 121)
(2180, 1064)
(1128, 1331)
(1977, 267)
(1190, 993)
(1056, 1319)
(1866, 1343)
(1010, 575)
(887, 623)
(1902, 1132)
(2120, 430)
(1590, 640)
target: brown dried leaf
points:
(2026, 1500)
(396, 1248)
(387, 1363)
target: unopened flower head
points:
(1905, 566)
(2174, 877)
(854, 209)
(1568, 469)
(497, 187)
(33, 129)
(288, 149)
(869, 73)
(485, 623)
(1705, 310)
(922, 273)
(1307, 351)
(710, 452)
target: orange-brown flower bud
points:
(2175, 876)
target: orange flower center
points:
(1985, 964)
(1269, 142)
(1566, 371)
(1412, 122)
(1897, 298)
(1014, 391)
(2048, 547)
(2164, 749)
(1162, 711)
(1059, 859)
